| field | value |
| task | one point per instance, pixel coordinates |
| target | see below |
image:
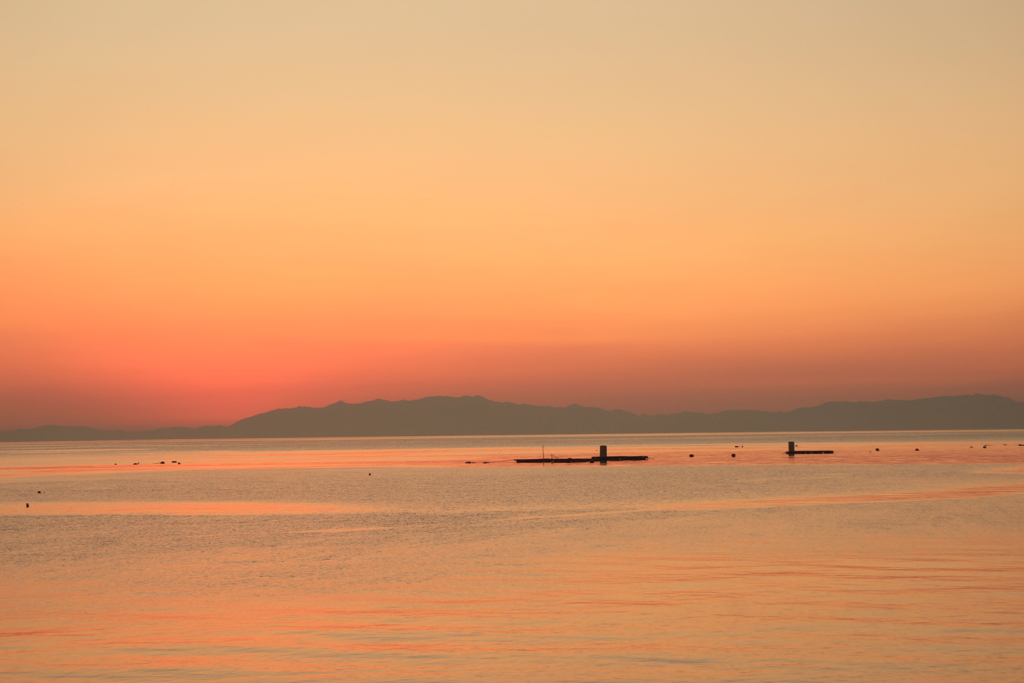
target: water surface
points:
(394, 560)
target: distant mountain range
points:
(475, 415)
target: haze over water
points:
(395, 560)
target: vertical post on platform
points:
(792, 449)
(604, 455)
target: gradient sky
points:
(211, 209)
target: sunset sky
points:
(212, 209)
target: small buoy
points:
(984, 446)
(26, 504)
(917, 449)
(38, 491)
(691, 455)
(370, 474)
(162, 462)
(734, 455)
(876, 449)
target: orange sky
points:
(212, 209)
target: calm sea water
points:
(396, 560)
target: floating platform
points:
(596, 458)
(604, 458)
(792, 451)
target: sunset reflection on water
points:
(905, 571)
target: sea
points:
(898, 557)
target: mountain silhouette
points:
(475, 415)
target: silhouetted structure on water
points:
(603, 458)
(793, 451)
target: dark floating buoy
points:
(38, 491)
(734, 455)
(984, 446)
(876, 449)
(26, 504)
(162, 462)
(370, 474)
(917, 449)
(691, 455)
(469, 462)
(487, 462)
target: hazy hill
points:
(469, 415)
